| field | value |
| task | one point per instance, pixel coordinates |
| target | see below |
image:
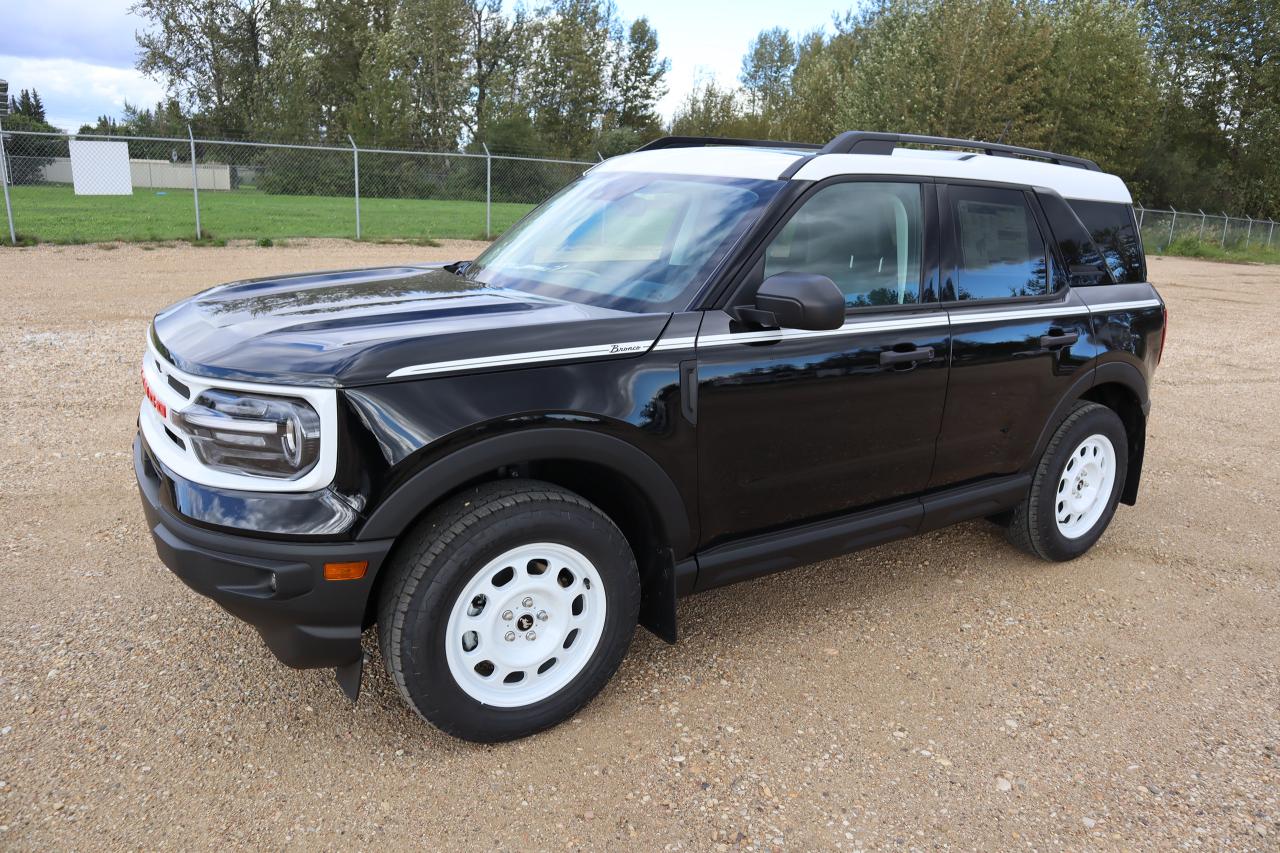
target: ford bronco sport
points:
(701, 362)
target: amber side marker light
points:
(345, 571)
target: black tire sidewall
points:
(428, 681)
(1098, 420)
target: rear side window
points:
(1085, 264)
(1001, 251)
(1116, 234)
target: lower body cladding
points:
(278, 587)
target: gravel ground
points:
(944, 692)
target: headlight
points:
(252, 433)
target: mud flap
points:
(658, 596)
(349, 677)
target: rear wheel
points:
(509, 609)
(1076, 486)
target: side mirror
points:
(800, 300)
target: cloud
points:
(94, 31)
(76, 92)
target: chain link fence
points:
(1163, 228)
(86, 188)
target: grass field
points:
(1257, 253)
(54, 214)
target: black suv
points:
(700, 363)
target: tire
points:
(1060, 519)
(507, 577)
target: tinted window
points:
(1113, 230)
(864, 236)
(1001, 252)
(1084, 262)
(625, 240)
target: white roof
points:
(717, 161)
(769, 163)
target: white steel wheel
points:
(1084, 486)
(525, 625)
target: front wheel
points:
(1076, 486)
(510, 608)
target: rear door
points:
(1020, 336)
(794, 425)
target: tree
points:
(28, 104)
(766, 72)
(337, 45)
(1217, 139)
(496, 46)
(569, 72)
(413, 85)
(640, 81)
(712, 110)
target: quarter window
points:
(1114, 231)
(1002, 253)
(1085, 264)
(864, 236)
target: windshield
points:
(625, 240)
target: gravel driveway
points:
(943, 692)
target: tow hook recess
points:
(349, 677)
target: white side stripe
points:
(518, 358)
(675, 343)
(1124, 306)
(962, 317)
(853, 328)
(938, 318)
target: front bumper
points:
(276, 586)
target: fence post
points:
(488, 192)
(1226, 220)
(195, 179)
(1200, 237)
(1248, 234)
(4, 179)
(1172, 222)
(1142, 211)
(1271, 233)
(355, 164)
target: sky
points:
(79, 54)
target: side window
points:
(1112, 227)
(1001, 251)
(864, 236)
(1085, 264)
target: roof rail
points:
(872, 142)
(708, 141)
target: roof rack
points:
(871, 142)
(708, 141)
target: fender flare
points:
(1110, 372)
(437, 479)
(1117, 372)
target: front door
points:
(795, 425)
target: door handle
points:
(1057, 341)
(895, 357)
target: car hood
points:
(359, 327)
